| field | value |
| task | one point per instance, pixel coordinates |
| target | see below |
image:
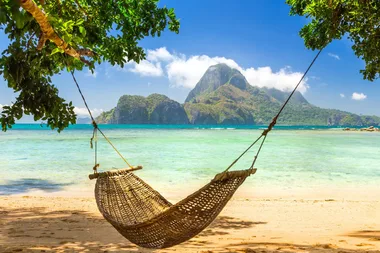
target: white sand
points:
(328, 220)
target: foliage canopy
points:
(48, 37)
(359, 20)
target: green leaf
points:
(30, 72)
(67, 37)
(57, 50)
(82, 30)
(19, 20)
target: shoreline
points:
(38, 126)
(246, 191)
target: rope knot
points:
(94, 124)
(271, 125)
(95, 168)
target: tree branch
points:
(48, 32)
(30, 39)
(41, 42)
(86, 52)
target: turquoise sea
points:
(37, 158)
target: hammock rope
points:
(96, 129)
(144, 217)
(263, 136)
(274, 120)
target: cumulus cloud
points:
(152, 65)
(342, 95)
(90, 74)
(146, 68)
(335, 56)
(159, 54)
(187, 72)
(284, 79)
(183, 71)
(358, 96)
(83, 113)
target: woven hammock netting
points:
(147, 219)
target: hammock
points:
(146, 218)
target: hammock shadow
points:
(222, 224)
(371, 235)
(26, 184)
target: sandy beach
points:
(260, 119)
(261, 222)
(318, 193)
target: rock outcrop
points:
(364, 129)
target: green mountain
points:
(215, 77)
(154, 109)
(229, 99)
(223, 96)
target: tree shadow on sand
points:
(371, 235)
(35, 229)
(255, 247)
(38, 230)
(27, 184)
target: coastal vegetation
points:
(48, 37)
(358, 21)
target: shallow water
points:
(174, 157)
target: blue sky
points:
(257, 37)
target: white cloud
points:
(342, 95)
(185, 71)
(83, 113)
(146, 68)
(358, 96)
(89, 73)
(160, 54)
(334, 56)
(284, 79)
